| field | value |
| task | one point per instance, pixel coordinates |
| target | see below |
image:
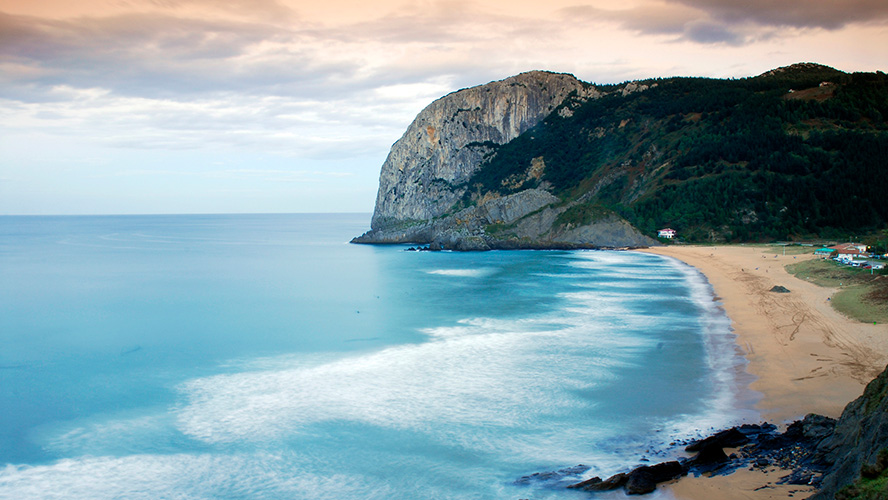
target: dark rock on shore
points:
(857, 446)
(779, 289)
(475, 229)
(639, 481)
(646, 478)
(710, 458)
(596, 483)
(730, 438)
(846, 459)
(553, 478)
(759, 446)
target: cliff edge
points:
(857, 450)
(543, 159)
(424, 182)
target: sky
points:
(255, 106)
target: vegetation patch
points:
(500, 229)
(863, 295)
(789, 249)
(828, 273)
(854, 302)
(875, 393)
(872, 483)
(718, 160)
(866, 489)
(582, 215)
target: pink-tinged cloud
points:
(259, 84)
(827, 14)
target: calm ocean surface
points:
(264, 357)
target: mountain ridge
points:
(771, 156)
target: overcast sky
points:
(203, 106)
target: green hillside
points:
(798, 152)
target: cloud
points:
(712, 32)
(731, 22)
(158, 55)
(678, 22)
(826, 14)
(156, 80)
(268, 10)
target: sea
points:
(266, 357)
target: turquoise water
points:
(262, 356)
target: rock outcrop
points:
(856, 448)
(667, 152)
(423, 184)
(845, 459)
(524, 220)
(423, 174)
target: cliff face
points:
(858, 448)
(525, 220)
(769, 157)
(424, 173)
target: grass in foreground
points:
(866, 489)
(858, 302)
(862, 296)
(872, 483)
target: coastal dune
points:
(806, 357)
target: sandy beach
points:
(806, 357)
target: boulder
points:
(596, 484)
(645, 479)
(730, 438)
(710, 457)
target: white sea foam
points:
(731, 400)
(488, 373)
(260, 475)
(463, 273)
(118, 433)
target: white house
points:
(848, 251)
(666, 233)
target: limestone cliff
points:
(423, 183)
(529, 219)
(425, 172)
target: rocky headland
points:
(544, 160)
(424, 192)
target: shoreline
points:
(805, 357)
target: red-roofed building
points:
(666, 233)
(849, 251)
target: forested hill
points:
(797, 152)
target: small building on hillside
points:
(666, 233)
(848, 251)
(860, 247)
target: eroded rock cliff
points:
(424, 173)
(717, 160)
(423, 183)
(858, 449)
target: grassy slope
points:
(737, 160)
(862, 296)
